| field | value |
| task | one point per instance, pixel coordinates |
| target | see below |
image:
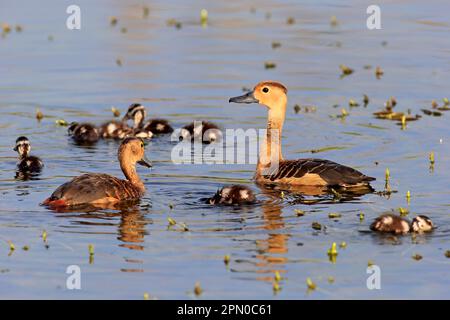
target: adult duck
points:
(100, 188)
(272, 168)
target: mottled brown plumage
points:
(390, 223)
(272, 168)
(204, 131)
(99, 188)
(83, 133)
(232, 195)
(137, 113)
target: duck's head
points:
(72, 126)
(23, 146)
(132, 151)
(422, 224)
(269, 93)
(136, 112)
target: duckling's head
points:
(72, 126)
(269, 93)
(132, 151)
(422, 224)
(23, 146)
(136, 112)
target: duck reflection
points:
(131, 229)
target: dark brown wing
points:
(333, 173)
(89, 188)
(158, 126)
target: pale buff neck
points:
(270, 151)
(129, 170)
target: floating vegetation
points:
(119, 62)
(123, 30)
(299, 213)
(276, 44)
(370, 263)
(408, 197)
(277, 276)
(417, 257)
(334, 21)
(61, 122)
(276, 287)
(198, 289)
(334, 215)
(361, 216)
(19, 28)
(316, 226)
(431, 113)
(91, 249)
(39, 114)
(115, 111)
(226, 259)
(378, 72)
(333, 250)
(145, 12)
(6, 28)
(345, 70)
(146, 296)
(365, 100)
(403, 211)
(44, 236)
(447, 254)
(25, 248)
(12, 247)
(343, 245)
(50, 38)
(171, 221)
(352, 103)
(290, 21)
(431, 157)
(297, 108)
(306, 109)
(343, 115)
(269, 65)
(113, 21)
(330, 279)
(204, 17)
(310, 284)
(174, 23)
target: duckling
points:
(104, 189)
(204, 131)
(389, 223)
(232, 195)
(112, 129)
(137, 113)
(273, 169)
(84, 133)
(26, 162)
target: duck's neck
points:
(138, 119)
(270, 151)
(129, 170)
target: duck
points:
(272, 168)
(137, 113)
(83, 133)
(390, 223)
(26, 162)
(104, 189)
(232, 195)
(204, 131)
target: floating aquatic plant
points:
(19, 28)
(61, 122)
(204, 17)
(269, 65)
(334, 215)
(310, 284)
(290, 21)
(115, 111)
(345, 70)
(297, 108)
(91, 249)
(431, 157)
(361, 216)
(277, 276)
(276, 287)
(113, 21)
(226, 259)
(330, 279)
(171, 221)
(447, 253)
(44, 236)
(299, 213)
(198, 289)
(334, 21)
(365, 100)
(333, 250)
(25, 248)
(145, 11)
(352, 103)
(343, 245)
(39, 114)
(276, 44)
(123, 30)
(316, 226)
(403, 211)
(417, 257)
(146, 296)
(378, 72)
(12, 247)
(119, 62)
(408, 197)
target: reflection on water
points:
(188, 73)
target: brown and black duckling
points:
(83, 133)
(232, 195)
(204, 131)
(390, 223)
(273, 169)
(137, 113)
(26, 162)
(103, 189)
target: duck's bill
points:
(246, 98)
(145, 162)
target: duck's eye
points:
(142, 145)
(265, 90)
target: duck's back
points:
(30, 164)
(316, 172)
(93, 188)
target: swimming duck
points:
(389, 223)
(137, 113)
(204, 131)
(99, 188)
(273, 169)
(232, 195)
(83, 133)
(26, 162)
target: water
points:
(189, 74)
